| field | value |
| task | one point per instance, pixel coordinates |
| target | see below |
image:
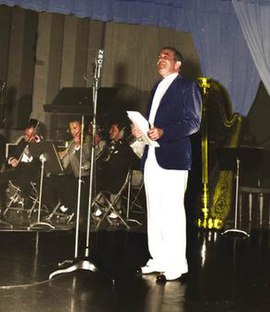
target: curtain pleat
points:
(255, 23)
(223, 51)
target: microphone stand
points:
(40, 225)
(85, 264)
(97, 76)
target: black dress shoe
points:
(161, 279)
(165, 277)
(147, 270)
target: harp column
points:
(203, 222)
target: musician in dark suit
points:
(174, 114)
(23, 168)
(112, 169)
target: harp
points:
(219, 128)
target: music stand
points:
(50, 164)
(232, 158)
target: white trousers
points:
(166, 218)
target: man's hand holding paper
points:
(141, 128)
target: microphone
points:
(99, 63)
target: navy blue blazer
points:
(179, 115)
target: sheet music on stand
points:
(143, 125)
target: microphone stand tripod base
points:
(41, 226)
(237, 231)
(133, 221)
(77, 265)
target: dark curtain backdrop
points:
(221, 46)
(41, 53)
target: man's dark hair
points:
(176, 54)
(31, 123)
(122, 126)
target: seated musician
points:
(119, 158)
(66, 186)
(23, 168)
(100, 142)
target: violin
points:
(30, 135)
(28, 139)
(63, 153)
(35, 138)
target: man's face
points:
(114, 132)
(29, 134)
(75, 129)
(166, 64)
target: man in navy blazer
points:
(179, 116)
(174, 113)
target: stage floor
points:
(228, 273)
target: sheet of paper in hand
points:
(143, 125)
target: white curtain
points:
(223, 51)
(254, 18)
